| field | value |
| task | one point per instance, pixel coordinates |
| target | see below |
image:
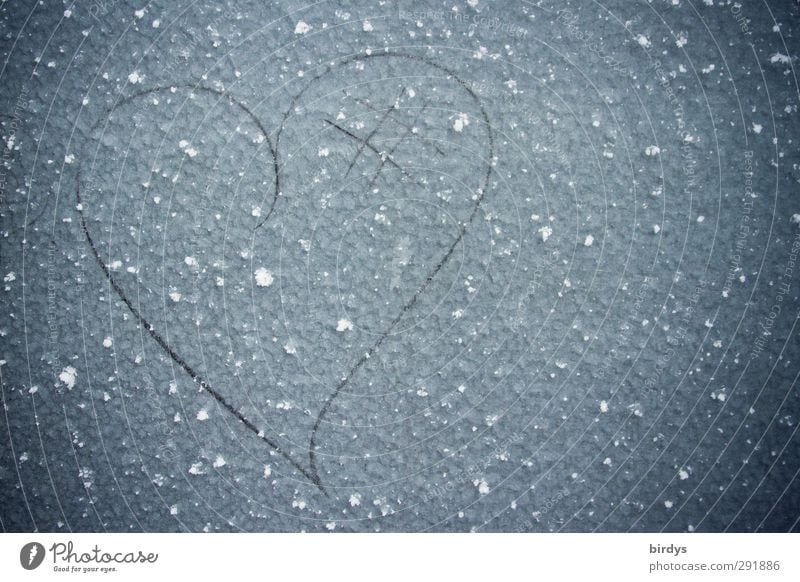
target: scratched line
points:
(436, 269)
(312, 472)
(409, 127)
(368, 144)
(162, 343)
(389, 157)
(373, 132)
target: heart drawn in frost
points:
(309, 471)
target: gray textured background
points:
(515, 266)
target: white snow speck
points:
(219, 462)
(190, 261)
(545, 233)
(264, 277)
(603, 406)
(69, 158)
(780, 58)
(483, 486)
(367, 26)
(202, 414)
(757, 127)
(643, 40)
(187, 148)
(301, 28)
(267, 471)
(683, 474)
(108, 342)
(652, 150)
(344, 325)
(355, 499)
(588, 241)
(135, 78)
(668, 504)
(68, 376)
(462, 120)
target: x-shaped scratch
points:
(367, 143)
(410, 128)
(373, 132)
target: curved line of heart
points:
(434, 271)
(179, 360)
(311, 473)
